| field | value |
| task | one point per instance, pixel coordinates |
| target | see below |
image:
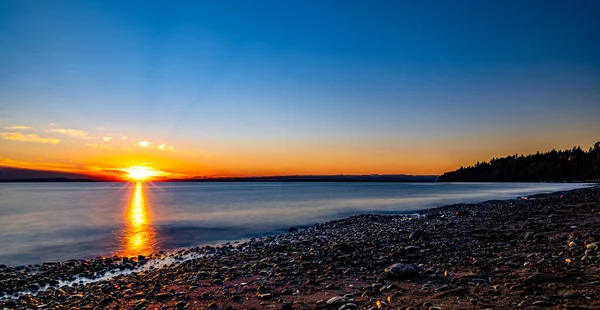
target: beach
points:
(534, 252)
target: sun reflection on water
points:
(139, 236)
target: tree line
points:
(553, 166)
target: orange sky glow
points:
(97, 154)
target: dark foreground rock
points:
(535, 253)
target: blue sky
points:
(237, 77)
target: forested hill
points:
(568, 165)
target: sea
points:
(44, 222)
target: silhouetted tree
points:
(568, 165)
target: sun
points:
(140, 173)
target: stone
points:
(412, 249)
(543, 303)
(162, 296)
(349, 306)
(415, 235)
(337, 300)
(265, 296)
(400, 271)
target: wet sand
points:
(539, 252)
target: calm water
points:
(60, 221)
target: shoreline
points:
(305, 269)
(106, 236)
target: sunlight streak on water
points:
(139, 236)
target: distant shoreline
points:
(308, 178)
(268, 180)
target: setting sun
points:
(140, 173)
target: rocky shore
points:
(530, 253)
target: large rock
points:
(401, 271)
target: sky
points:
(239, 88)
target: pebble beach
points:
(533, 252)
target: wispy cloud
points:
(8, 162)
(165, 147)
(100, 146)
(16, 136)
(106, 139)
(18, 128)
(161, 147)
(115, 171)
(49, 166)
(70, 132)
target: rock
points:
(292, 229)
(412, 249)
(265, 296)
(401, 271)
(543, 303)
(349, 306)
(415, 235)
(162, 296)
(593, 246)
(337, 300)
(462, 212)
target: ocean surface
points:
(42, 222)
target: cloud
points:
(124, 138)
(70, 132)
(100, 146)
(18, 128)
(106, 139)
(115, 171)
(162, 147)
(165, 147)
(15, 136)
(7, 162)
